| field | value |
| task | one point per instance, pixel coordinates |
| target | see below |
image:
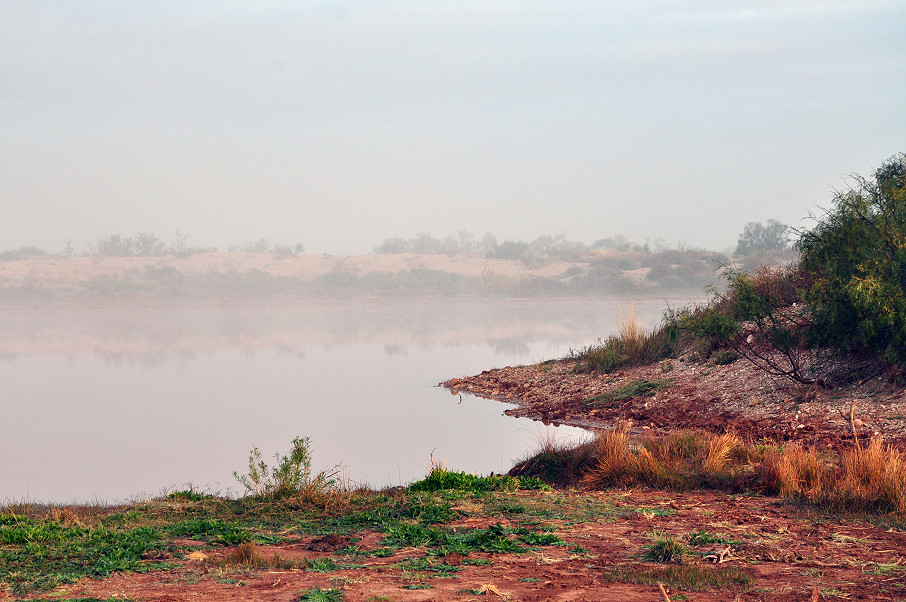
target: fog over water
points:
(114, 404)
(339, 123)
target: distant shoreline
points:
(230, 278)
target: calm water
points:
(118, 404)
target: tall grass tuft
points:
(249, 556)
(792, 471)
(633, 335)
(633, 345)
(873, 477)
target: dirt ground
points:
(698, 395)
(787, 551)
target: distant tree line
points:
(756, 239)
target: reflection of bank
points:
(151, 336)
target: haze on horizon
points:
(338, 124)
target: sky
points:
(338, 124)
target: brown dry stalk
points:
(663, 591)
(852, 423)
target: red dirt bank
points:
(699, 396)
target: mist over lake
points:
(111, 404)
(123, 402)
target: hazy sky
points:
(338, 124)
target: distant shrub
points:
(757, 237)
(21, 253)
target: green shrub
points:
(440, 479)
(291, 476)
(665, 549)
(856, 257)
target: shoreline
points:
(698, 396)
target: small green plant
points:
(322, 564)
(637, 388)
(211, 530)
(724, 357)
(441, 478)
(316, 594)
(704, 538)
(291, 476)
(665, 549)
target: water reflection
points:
(109, 404)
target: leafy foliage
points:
(856, 256)
(442, 479)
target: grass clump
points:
(679, 461)
(316, 594)
(687, 577)
(249, 556)
(440, 479)
(633, 345)
(665, 549)
(631, 390)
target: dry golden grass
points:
(633, 335)
(869, 479)
(721, 452)
(790, 472)
(874, 476)
(248, 555)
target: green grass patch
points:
(688, 577)
(665, 549)
(317, 594)
(214, 531)
(637, 388)
(704, 538)
(42, 554)
(440, 479)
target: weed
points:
(638, 388)
(322, 564)
(442, 479)
(704, 538)
(189, 495)
(690, 577)
(248, 556)
(211, 530)
(665, 549)
(317, 594)
(291, 477)
(724, 357)
(478, 561)
(413, 536)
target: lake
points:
(119, 404)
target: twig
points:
(852, 425)
(816, 593)
(663, 592)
